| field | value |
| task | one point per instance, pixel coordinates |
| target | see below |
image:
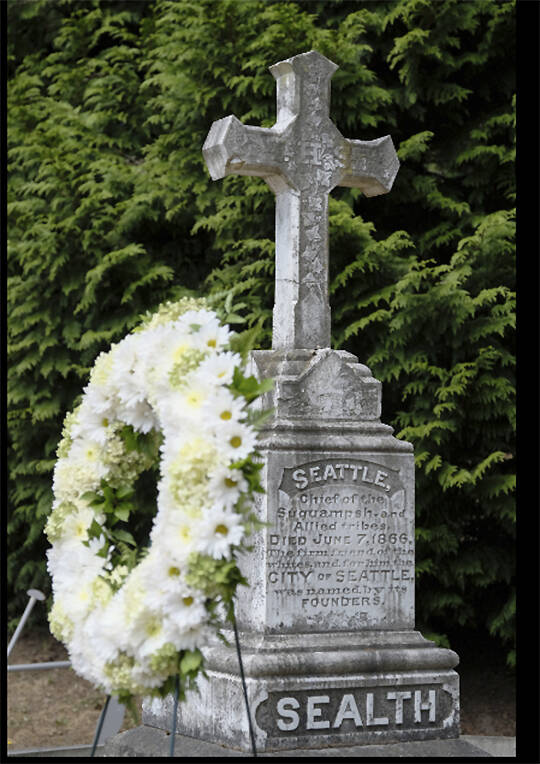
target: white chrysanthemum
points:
(226, 485)
(70, 561)
(139, 415)
(219, 530)
(132, 599)
(87, 450)
(173, 534)
(237, 440)
(165, 501)
(179, 538)
(101, 630)
(144, 675)
(82, 657)
(94, 417)
(77, 524)
(193, 397)
(218, 369)
(222, 406)
(101, 399)
(210, 335)
(154, 348)
(195, 636)
(185, 613)
(177, 344)
(127, 375)
(152, 631)
(192, 321)
(162, 574)
(77, 600)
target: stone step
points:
(151, 742)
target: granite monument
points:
(327, 626)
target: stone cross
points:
(302, 158)
(331, 654)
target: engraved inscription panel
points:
(341, 548)
(346, 710)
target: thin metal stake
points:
(252, 736)
(175, 711)
(34, 595)
(100, 725)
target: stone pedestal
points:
(329, 648)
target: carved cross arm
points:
(370, 166)
(232, 148)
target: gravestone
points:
(330, 651)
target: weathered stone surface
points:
(291, 712)
(302, 158)
(308, 690)
(302, 387)
(339, 544)
(145, 742)
(337, 552)
(330, 653)
(327, 625)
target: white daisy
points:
(236, 439)
(139, 415)
(212, 335)
(193, 397)
(179, 538)
(101, 631)
(179, 342)
(85, 449)
(222, 406)
(220, 529)
(219, 369)
(225, 486)
(186, 612)
(76, 525)
(154, 631)
(162, 574)
(95, 416)
(126, 372)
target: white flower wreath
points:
(171, 394)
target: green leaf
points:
(125, 492)
(190, 662)
(108, 492)
(95, 529)
(129, 436)
(91, 496)
(103, 551)
(124, 536)
(122, 513)
(249, 387)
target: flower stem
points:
(175, 711)
(100, 725)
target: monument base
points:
(311, 691)
(145, 742)
(330, 654)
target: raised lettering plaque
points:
(346, 710)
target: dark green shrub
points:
(111, 211)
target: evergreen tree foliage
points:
(111, 211)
